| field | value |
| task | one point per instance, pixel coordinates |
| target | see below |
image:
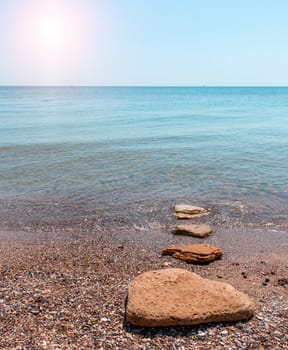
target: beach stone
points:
(201, 230)
(185, 211)
(195, 253)
(177, 297)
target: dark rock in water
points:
(195, 253)
(201, 230)
(177, 297)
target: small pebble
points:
(201, 335)
(244, 275)
(265, 283)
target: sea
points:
(123, 156)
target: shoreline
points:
(67, 289)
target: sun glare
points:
(54, 37)
(52, 41)
(49, 29)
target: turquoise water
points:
(133, 150)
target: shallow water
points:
(128, 154)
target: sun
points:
(52, 32)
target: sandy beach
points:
(66, 288)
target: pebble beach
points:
(66, 288)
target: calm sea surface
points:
(127, 153)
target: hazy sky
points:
(144, 42)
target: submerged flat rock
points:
(194, 253)
(177, 297)
(200, 230)
(185, 211)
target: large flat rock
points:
(194, 230)
(194, 253)
(185, 211)
(177, 297)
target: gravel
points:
(66, 289)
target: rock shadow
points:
(197, 332)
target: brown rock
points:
(201, 230)
(195, 253)
(184, 211)
(177, 297)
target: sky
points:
(144, 42)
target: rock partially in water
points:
(201, 230)
(177, 297)
(195, 253)
(185, 211)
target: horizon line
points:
(144, 86)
